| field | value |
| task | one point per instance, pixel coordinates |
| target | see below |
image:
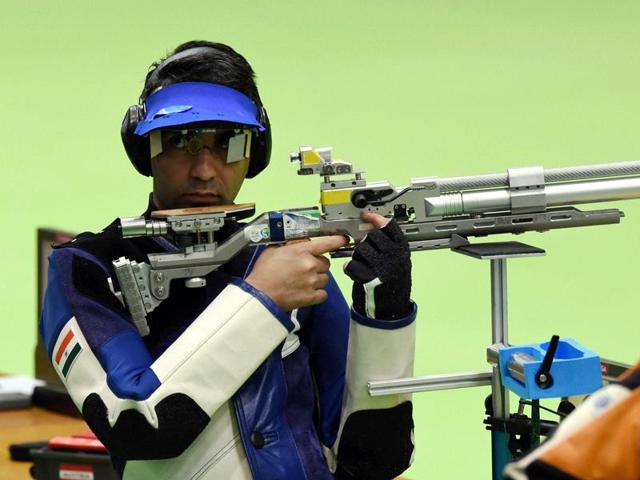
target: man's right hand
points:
(294, 275)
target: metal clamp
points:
(526, 188)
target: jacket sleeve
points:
(598, 440)
(140, 407)
(364, 436)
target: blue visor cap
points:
(194, 102)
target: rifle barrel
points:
(562, 194)
(551, 175)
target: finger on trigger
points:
(298, 240)
(326, 244)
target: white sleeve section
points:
(220, 350)
(375, 354)
(214, 356)
(217, 453)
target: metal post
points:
(500, 454)
(499, 331)
(535, 423)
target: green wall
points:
(400, 88)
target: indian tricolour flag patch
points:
(67, 353)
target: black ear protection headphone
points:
(137, 147)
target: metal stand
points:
(500, 454)
(497, 253)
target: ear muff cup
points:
(137, 147)
(260, 147)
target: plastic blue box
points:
(575, 370)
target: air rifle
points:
(432, 212)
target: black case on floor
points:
(56, 464)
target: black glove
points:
(381, 271)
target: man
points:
(597, 441)
(261, 374)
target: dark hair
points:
(219, 64)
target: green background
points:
(403, 89)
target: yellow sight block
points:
(311, 157)
(331, 197)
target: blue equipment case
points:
(575, 370)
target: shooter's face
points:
(184, 179)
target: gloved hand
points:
(381, 271)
